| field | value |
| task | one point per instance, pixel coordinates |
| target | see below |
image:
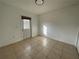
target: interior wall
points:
(11, 24)
(62, 24)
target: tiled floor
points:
(39, 48)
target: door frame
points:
(28, 18)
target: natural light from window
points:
(44, 30)
(26, 24)
(45, 42)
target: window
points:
(26, 24)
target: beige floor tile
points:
(53, 55)
(39, 48)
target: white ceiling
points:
(49, 5)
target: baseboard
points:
(58, 40)
(11, 43)
(17, 41)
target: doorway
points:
(26, 27)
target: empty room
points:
(39, 29)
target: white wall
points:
(62, 24)
(11, 26)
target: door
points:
(27, 30)
(78, 42)
(78, 46)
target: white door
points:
(78, 46)
(78, 42)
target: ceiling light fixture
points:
(39, 2)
